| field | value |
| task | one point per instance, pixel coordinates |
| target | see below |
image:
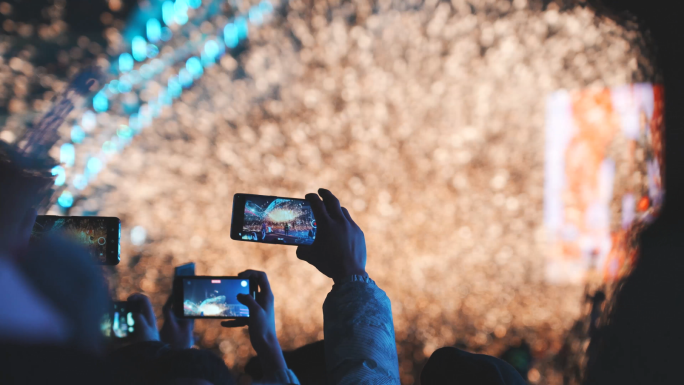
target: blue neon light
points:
(100, 102)
(154, 30)
(67, 154)
(185, 78)
(230, 35)
(194, 4)
(124, 132)
(168, 13)
(242, 27)
(175, 88)
(180, 8)
(125, 62)
(77, 134)
(66, 199)
(266, 7)
(94, 166)
(194, 66)
(60, 173)
(80, 182)
(139, 48)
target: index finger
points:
(146, 309)
(260, 277)
(317, 206)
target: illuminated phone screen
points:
(119, 322)
(214, 297)
(278, 220)
(99, 235)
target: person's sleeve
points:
(285, 376)
(359, 334)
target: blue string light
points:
(60, 174)
(100, 102)
(125, 62)
(66, 199)
(77, 134)
(154, 30)
(67, 154)
(168, 13)
(142, 116)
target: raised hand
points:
(340, 247)
(177, 332)
(261, 322)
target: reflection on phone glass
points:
(213, 297)
(119, 323)
(278, 220)
(90, 232)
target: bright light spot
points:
(255, 16)
(194, 66)
(60, 173)
(168, 13)
(109, 147)
(124, 132)
(230, 35)
(180, 8)
(125, 62)
(113, 86)
(66, 199)
(280, 215)
(67, 154)
(80, 182)
(194, 4)
(88, 121)
(152, 50)
(124, 86)
(211, 48)
(266, 7)
(153, 28)
(185, 78)
(243, 283)
(94, 166)
(134, 122)
(242, 27)
(138, 235)
(175, 88)
(77, 134)
(139, 48)
(146, 71)
(100, 102)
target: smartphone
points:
(99, 235)
(119, 322)
(185, 270)
(211, 297)
(271, 219)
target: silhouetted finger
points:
(318, 208)
(236, 323)
(250, 302)
(145, 306)
(348, 216)
(332, 204)
(260, 278)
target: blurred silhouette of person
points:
(287, 228)
(640, 338)
(451, 365)
(307, 363)
(357, 315)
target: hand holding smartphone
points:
(119, 323)
(271, 219)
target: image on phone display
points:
(270, 219)
(99, 235)
(119, 323)
(214, 297)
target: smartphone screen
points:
(211, 297)
(119, 323)
(270, 219)
(99, 235)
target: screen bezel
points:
(238, 217)
(113, 225)
(179, 294)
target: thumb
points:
(248, 301)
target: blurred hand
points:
(261, 323)
(177, 332)
(145, 321)
(340, 247)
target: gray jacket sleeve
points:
(359, 334)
